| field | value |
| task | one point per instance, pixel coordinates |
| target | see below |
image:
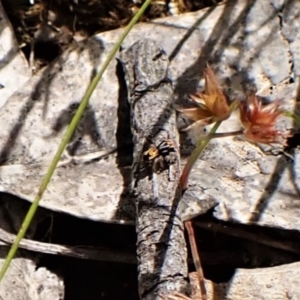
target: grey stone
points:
(249, 44)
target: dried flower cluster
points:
(212, 104)
(258, 120)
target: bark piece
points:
(161, 248)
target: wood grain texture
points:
(161, 248)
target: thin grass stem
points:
(66, 139)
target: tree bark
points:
(161, 247)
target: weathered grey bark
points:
(161, 248)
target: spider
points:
(162, 156)
(163, 149)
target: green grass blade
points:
(66, 139)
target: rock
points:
(25, 279)
(249, 44)
(268, 283)
(14, 69)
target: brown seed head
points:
(212, 105)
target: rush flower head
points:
(212, 105)
(259, 121)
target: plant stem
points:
(195, 154)
(226, 134)
(292, 115)
(66, 139)
(200, 147)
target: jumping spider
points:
(161, 156)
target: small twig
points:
(226, 134)
(81, 252)
(196, 258)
